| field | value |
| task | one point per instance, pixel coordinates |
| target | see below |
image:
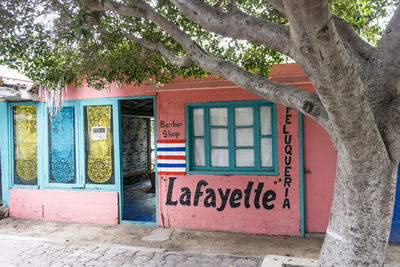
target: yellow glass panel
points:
(26, 142)
(99, 164)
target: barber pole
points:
(171, 157)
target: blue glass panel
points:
(62, 146)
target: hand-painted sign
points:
(236, 196)
(288, 158)
(167, 129)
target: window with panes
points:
(232, 137)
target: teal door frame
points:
(121, 199)
(5, 161)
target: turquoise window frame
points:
(5, 152)
(46, 160)
(6, 133)
(43, 147)
(207, 169)
(39, 125)
(116, 144)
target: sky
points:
(8, 73)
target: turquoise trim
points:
(117, 145)
(121, 177)
(216, 172)
(10, 155)
(231, 138)
(257, 136)
(81, 145)
(19, 186)
(301, 164)
(275, 139)
(114, 104)
(188, 141)
(155, 155)
(138, 223)
(43, 147)
(239, 103)
(231, 169)
(39, 142)
(46, 160)
(206, 136)
(6, 133)
(5, 152)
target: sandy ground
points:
(178, 240)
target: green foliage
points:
(365, 17)
(58, 42)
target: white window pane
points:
(265, 120)
(244, 157)
(199, 158)
(244, 116)
(219, 137)
(266, 152)
(244, 137)
(218, 116)
(198, 122)
(219, 158)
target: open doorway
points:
(138, 160)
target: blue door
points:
(395, 232)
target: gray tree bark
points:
(357, 102)
(361, 211)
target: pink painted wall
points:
(146, 89)
(85, 92)
(279, 220)
(319, 157)
(68, 206)
(320, 168)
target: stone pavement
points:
(25, 242)
(16, 251)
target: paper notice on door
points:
(99, 133)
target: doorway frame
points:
(121, 187)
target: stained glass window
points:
(25, 145)
(99, 145)
(62, 146)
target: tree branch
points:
(349, 36)
(246, 27)
(389, 124)
(159, 47)
(124, 10)
(361, 53)
(278, 5)
(289, 96)
(300, 99)
(333, 74)
(388, 54)
(359, 50)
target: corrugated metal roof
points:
(15, 90)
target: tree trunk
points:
(361, 212)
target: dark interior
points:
(137, 139)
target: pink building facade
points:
(223, 159)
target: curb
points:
(280, 261)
